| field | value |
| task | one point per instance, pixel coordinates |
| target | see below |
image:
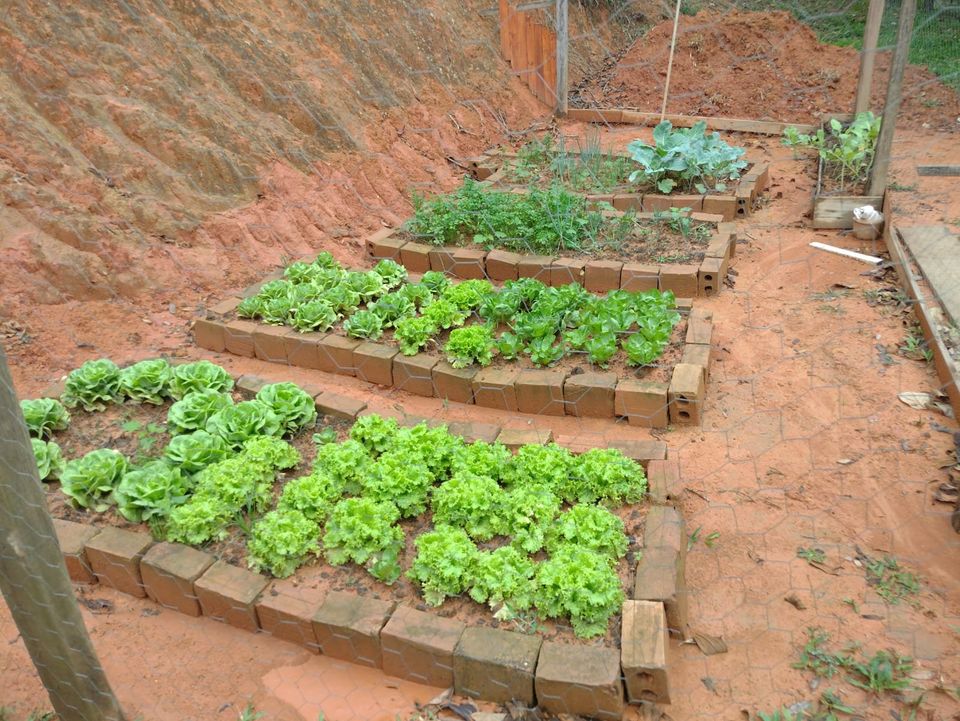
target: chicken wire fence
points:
(808, 496)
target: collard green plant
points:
(472, 502)
(292, 405)
(147, 381)
(199, 376)
(43, 416)
(93, 385)
(581, 584)
(49, 459)
(282, 541)
(686, 158)
(592, 527)
(469, 345)
(503, 578)
(605, 475)
(444, 564)
(89, 481)
(151, 491)
(195, 409)
(192, 452)
(236, 424)
(364, 531)
(846, 150)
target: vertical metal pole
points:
(673, 47)
(871, 33)
(881, 160)
(34, 580)
(563, 40)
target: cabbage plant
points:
(49, 459)
(200, 376)
(147, 381)
(151, 492)
(43, 416)
(294, 407)
(93, 385)
(89, 481)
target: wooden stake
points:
(34, 580)
(563, 39)
(881, 160)
(673, 47)
(871, 33)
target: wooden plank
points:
(550, 65)
(942, 170)
(739, 125)
(836, 211)
(937, 252)
(534, 54)
(871, 33)
(521, 46)
(514, 38)
(504, 7)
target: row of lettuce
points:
(520, 532)
(523, 318)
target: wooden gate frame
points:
(537, 52)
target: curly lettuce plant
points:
(546, 466)
(592, 527)
(49, 459)
(469, 345)
(413, 334)
(471, 502)
(89, 481)
(444, 564)
(195, 409)
(481, 458)
(581, 584)
(402, 477)
(347, 463)
(43, 416)
(313, 495)
(605, 475)
(375, 432)
(150, 492)
(282, 541)
(293, 406)
(203, 518)
(93, 385)
(434, 445)
(271, 451)
(236, 424)
(503, 579)
(199, 376)
(444, 314)
(364, 531)
(147, 381)
(527, 513)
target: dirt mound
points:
(758, 65)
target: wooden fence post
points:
(881, 159)
(34, 580)
(563, 39)
(871, 33)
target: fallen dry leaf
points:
(709, 645)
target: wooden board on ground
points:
(942, 170)
(836, 211)
(937, 252)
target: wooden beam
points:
(943, 170)
(871, 33)
(762, 127)
(34, 580)
(881, 160)
(563, 40)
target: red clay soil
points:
(759, 66)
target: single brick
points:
(643, 651)
(514, 438)
(710, 276)
(536, 266)
(469, 264)
(209, 334)
(238, 337)
(759, 174)
(415, 257)
(540, 392)
(640, 451)
(691, 202)
(730, 230)
(374, 363)
(414, 374)
(681, 279)
(453, 384)
(383, 244)
(169, 571)
(339, 406)
(419, 646)
(73, 539)
(114, 555)
(684, 305)
(725, 205)
(442, 258)
(745, 194)
(660, 578)
(567, 270)
(502, 264)
(269, 343)
(496, 388)
(219, 311)
(637, 277)
(496, 665)
(663, 479)
(303, 349)
(700, 327)
(654, 202)
(601, 276)
(348, 627)
(628, 201)
(697, 355)
(335, 354)
(642, 403)
(576, 680)
(590, 395)
(249, 385)
(686, 394)
(470, 432)
(229, 594)
(664, 528)
(288, 617)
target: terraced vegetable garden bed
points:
(523, 347)
(376, 518)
